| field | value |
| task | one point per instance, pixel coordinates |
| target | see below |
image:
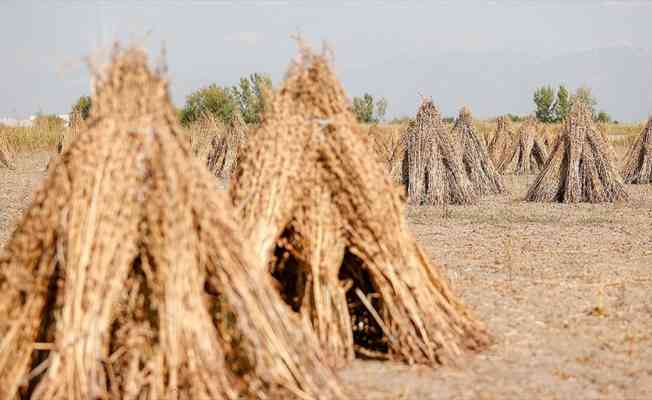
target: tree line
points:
(248, 100)
(553, 106)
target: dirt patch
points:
(564, 290)
(16, 188)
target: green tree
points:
(603, 117)
(381, 109)
(585, 95)
(250, 96)
(515, 118)
(562, 105)
(369, 111)
(212, 100)
(363, 108)
(544, 99)
(82, 107)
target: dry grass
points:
(389, 144)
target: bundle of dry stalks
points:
(549, 135)
(611, 152)
(579, 168)
(502, 140)
(389, 144)
(6, 154)
(330, 223)
(225, 147)
(434, 173)
(528, 153)
(638, 162)
(127, 277)
(475, 157)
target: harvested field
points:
(564, 290)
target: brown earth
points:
(564, 290)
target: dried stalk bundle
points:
(638, 162)
(330, 223)
(528, 154)
(434, 173)
(481, 171)
(549, 135)
(502, 140)
(6, 154)
(223, 155)
(389, 144)
(579, 168)
(127, 277)
(611, 152)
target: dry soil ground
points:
(565, 290)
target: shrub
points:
(369, 111)
(82, 107)
(213, 100)
(250, 96)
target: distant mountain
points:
(495, 83)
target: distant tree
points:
(603, 117)
(363, 108)
(585, 95)
(82, 108)
(250, 94)
(369, 111)
(448, 120)
(562, 105)
(213, 100)
(381, 109)
(515, 118)
(544, 99)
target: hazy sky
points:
(487, 54)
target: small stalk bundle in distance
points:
(434, 173)
(6, 153)
(579, 168)
(528, 153)
(225, 147)
(480, 169)
(389, 144)
(638, 162)
(604, 131)
(127, 277)
(502, 140)
(549, 134)
(330, 223)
